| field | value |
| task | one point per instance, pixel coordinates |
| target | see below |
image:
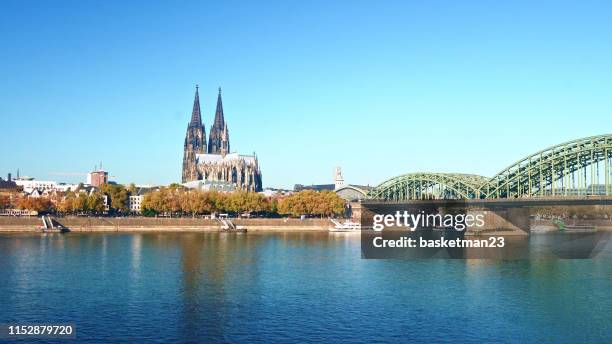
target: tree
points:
(178, 200)
(118, 197)
(5, 201)
(148, 212)
(79, 203)
(95, 203)
(39, 204)
(66, 205)
(310, 202)
(151, 202)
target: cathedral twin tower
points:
(213, 163)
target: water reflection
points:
(209, 287)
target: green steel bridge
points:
(576, 168)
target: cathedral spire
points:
(196, 117)
(219, 120)
(195, 142)
(218, 141)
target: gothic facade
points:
(215, 162)
(195, 141)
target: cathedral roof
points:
(218, 159)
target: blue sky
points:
(379, 88)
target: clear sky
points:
(377, 87)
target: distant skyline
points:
(379, 89)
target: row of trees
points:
(176, 200)
(41, 204)
(69, 203)
(309, 202)
(79, 202)
(82, 203)
(172, 200)
(15, 200)
(74, 202)
(179, 201)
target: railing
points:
(47, 223)
(17, 212)
(226, 224)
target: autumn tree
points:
(66, 205)
(177, 200)
(118, 197)
(5, 201)
(310, 202)
(39, 204)
(95, 203)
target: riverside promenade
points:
(146, 224)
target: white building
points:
(338, 179)
(30, 185)
(65, 187)
(270, 192)
(135, 203)
(209, 185)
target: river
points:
(292, 288)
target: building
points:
(349, 192)
(315, 187)
(213, 161)
(8, 184)
(65, 187)
(97, 177)
(106, 203)
(206, 185)
(195, 142)
(135, 203)
(273, 192)
(338, 179)
(136, 197)
(353, 192)
(36, 193)
(30, 184)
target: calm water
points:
(192, 287)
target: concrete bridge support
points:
(508, 219)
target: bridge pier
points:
(508, 219)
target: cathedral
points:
(214, 162)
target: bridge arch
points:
(426, 185)
(351, 192)
(581, 167)
(577, 167)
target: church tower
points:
(195, 141)
(224, 140)
(218, 141)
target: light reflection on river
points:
(291, 287)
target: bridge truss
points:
(576, 168)
(429, 186)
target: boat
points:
(346, 226)
(579, 229)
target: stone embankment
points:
(144, 224)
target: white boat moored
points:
(346, 226)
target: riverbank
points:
(150, 224)
(147, 224)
